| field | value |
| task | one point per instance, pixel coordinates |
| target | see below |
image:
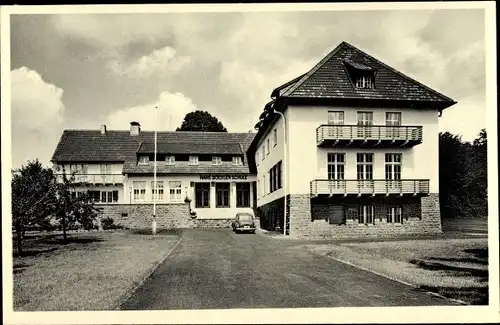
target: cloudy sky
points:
(81, 71)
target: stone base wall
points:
(212, 223)
(309, 217)
(140, 216)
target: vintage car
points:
(243, 222)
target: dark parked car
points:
(243, 222)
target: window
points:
(170, 160)
(258, 187)
(394, 214)
(335, 118)
(336, 166)
(279, 174)
(237, 160)
(216, 160)
(365, 166)
(139, 190)
(159, 190)
(175, 191)
(222, 195)
(143, 160)
(242, 195)
(275, 177)
(202, 195)
(193, 160)
(263, 154)
(101, 196)
(393, 164)
(275, 137)
(393, 121)
(268, 146)
(365, 214)
(271, 180)
(365, 120)
(364, 82)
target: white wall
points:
(187, 190)
(308, 162)
(263, 166)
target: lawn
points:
(93, 271)
(455, 268)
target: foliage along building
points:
(203, 178)
(353, 146)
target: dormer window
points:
(361, 74)
(143, 160)
(216, 160)
(237, 160)
(170, 160)
(364, 82)
(193, 160)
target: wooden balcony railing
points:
(95, 178)
(345, 187)
(376, 134)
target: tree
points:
(32, 187)
(70, 207)
(201, 121)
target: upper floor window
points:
(139, 190)
(335, 118)
(364, 82)
(268, 146)
(143, 160)
(263, 154)
(275, 137)
(237, 160)
(170, 160)
(216, 160)
(193, 160)
(158, 189)
(393, 118)
(78, 168)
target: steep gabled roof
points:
(191, 148)
(119, 146)
(329, 79)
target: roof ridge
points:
(400, 73)
(148, 131)
(314, 69)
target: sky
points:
(79, 71)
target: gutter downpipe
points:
(285, 162)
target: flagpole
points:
(154, 175)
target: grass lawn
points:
(90, 272)
(455, 268)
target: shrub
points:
(108, 223)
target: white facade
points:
(264, 161)
(306, 161)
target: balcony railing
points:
(373, 187)
(95, 178)
(368, 134)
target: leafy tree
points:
(70, 208)
(32, 187)
(201, 121)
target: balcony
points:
(368, 136)
(95, 179)
(369, 187)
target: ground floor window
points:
(159, 190)
(222, 195)
(103, 196)
(139, 190)
(394, 214)
(242, 195)
(175, 189)
(366, 214)
(202, 195)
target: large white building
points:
(352, 145)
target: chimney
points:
(103, 129)
(135, 128)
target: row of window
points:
(157, 193)
(266, 147)
(366, 214)
(83, 168)
(107, 196)
(271, 181)
(222, 195)
(193, 160)
(364, 167)
(364, 118)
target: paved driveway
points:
(217, 269)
